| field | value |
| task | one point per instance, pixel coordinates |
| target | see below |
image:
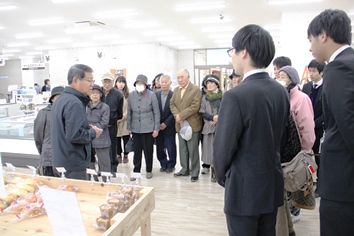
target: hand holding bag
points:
(129, 147)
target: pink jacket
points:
(301, 106)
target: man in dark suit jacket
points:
(314, 91)
(330, 36)
(166, 140)
(251, 125)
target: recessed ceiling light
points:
(117, 14)
(7, 7)
(52, 21)
(30, 35)
(283, 2)
(200, 6)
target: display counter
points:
(16, 141)
(90, 196)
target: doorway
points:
(222, 72)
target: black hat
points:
(56, 91)
(95, 86)
(233, 74)
(211, 77)
(141, 78)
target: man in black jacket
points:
(330, 36)
(166, 140)
(114, 99)
(71, 133)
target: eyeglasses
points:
(91, 81)
(230, 51)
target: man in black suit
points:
(314, 91)
(166, 140)
(251, 125)
(330, 36)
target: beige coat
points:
(187, 107)
(122, 126)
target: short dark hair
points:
(46, 81)
(315, 64)
(282, 61)
(78, 71)
(335, 23)
(258, 43)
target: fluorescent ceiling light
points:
(27, 36)
(171, 38)
(283, 2)
(7, 55)
(54, 41)
(8, 7)
(81, 30)
(200, 6)
(18, 44)
(208, 20)
(142, 24)
(158, 33)
(10, 50)
(106, 36)
(2, 27)
(219, 29)
(52, 21)
(117, 14)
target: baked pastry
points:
(3, 205)
(103, 223)
(33, 210)
(106, 210)
(9, 198)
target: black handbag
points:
(129, 146)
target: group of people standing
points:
(242, 129)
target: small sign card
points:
(63, 212)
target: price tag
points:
(10, 166)
(60, 169)
(91, 171)
(107, 174)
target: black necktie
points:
(314, 86)
(313, 95)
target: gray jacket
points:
(143, 112)
(41, 133)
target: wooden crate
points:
(90, 196)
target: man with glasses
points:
(71, 133)
(114, 99)
(247, 143)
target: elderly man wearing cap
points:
(41, 134)
(114, 99)
(98, 115)
(185, 104)
(143, 123)
(71, 134)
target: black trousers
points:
(143, 142)
(119, 144)
(113, 153)
(260, 225)
(336, 218)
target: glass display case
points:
(17, 145)
(4, 111)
